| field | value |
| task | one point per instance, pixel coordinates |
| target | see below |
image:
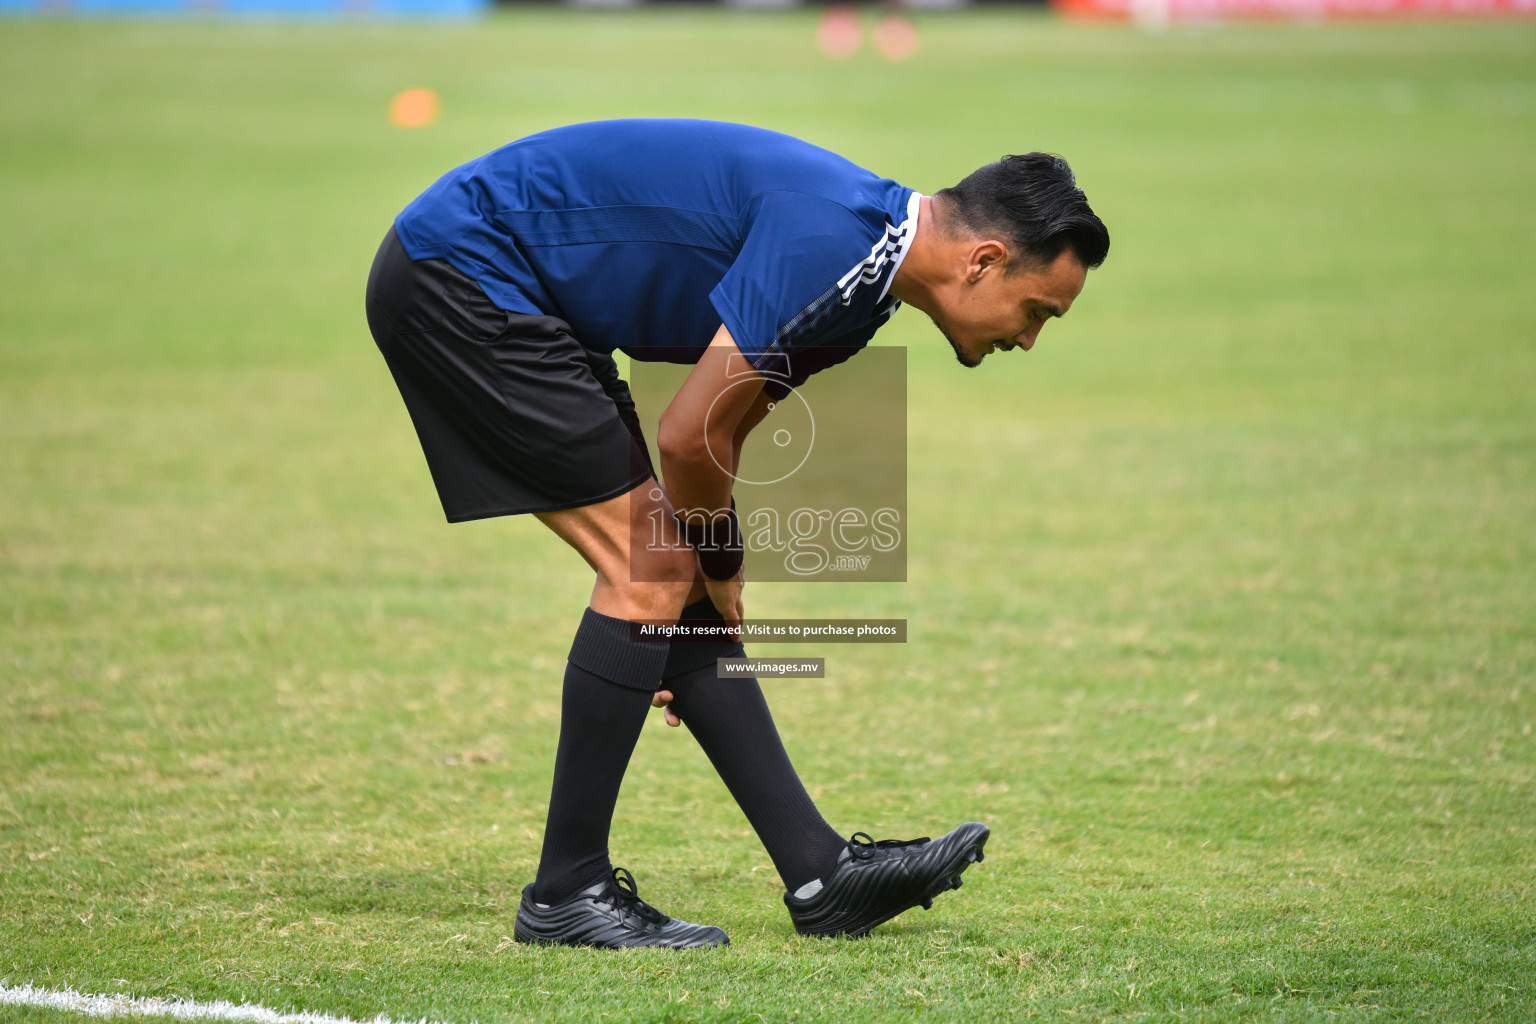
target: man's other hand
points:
(663, 699)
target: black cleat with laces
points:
(875, 881)
(609, 915)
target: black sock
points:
(609, 682)
(731, 721)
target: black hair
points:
(1033, 201)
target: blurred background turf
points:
(1221, 600)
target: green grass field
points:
(1222, 600)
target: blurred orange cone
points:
(895, 37)
(414, 108)
(840, 32)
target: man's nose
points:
(1026, 340)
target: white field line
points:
(182, 1009)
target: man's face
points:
(987, 310)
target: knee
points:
(657, 585)
(653, 599)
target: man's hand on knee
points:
(726, 596)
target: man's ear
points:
(990, 256)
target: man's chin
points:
(960, 355)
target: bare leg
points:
(634, 581)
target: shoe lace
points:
(869, 846)
(626, 897)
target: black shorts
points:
(514, 415)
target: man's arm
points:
(698, 433)
(755, 415)
(697, 442)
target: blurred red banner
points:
(1159, 11)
